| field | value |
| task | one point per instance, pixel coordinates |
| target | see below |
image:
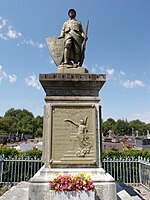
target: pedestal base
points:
(74, 69)
(104, 183)
(70, 195)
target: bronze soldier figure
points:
(73, 35)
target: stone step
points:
(17, 192)
(122, 194)
(126, 192)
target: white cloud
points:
(98, 69)
(110, 72)
(2, 22)
(3, 37)
(144, 117)
(3, 75)
(122, 73)
(133, 84)
(32, 81)
(30, 42)
(7, 30)
(12, 34)
(12, 78)
(40, 45)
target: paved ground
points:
(144, 192)
(18, 192)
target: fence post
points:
(1, 168)
(140, 169)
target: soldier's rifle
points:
(84, 44)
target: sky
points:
(118, 45)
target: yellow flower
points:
(53, 179)
(84, 182)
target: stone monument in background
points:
(72, 116)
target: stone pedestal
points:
(71, 133)
(72, 120)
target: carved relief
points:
(84, 143)
(73, 134)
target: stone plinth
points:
(73, 69)
(59, 84)
(72, 120)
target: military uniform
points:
(73, 33)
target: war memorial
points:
(72, 119)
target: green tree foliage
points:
(126, 154)
(38, 125)
(123, 127)
(7, 125)
(5, 151)
(11, 152)
(138, 125)
(21, 121)
(108, 125)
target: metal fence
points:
(14, 170)
(144, 168)
(126, 170)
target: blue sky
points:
(118, 45)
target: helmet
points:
(72, 10)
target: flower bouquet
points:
(75, 183)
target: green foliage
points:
(11, 152)
(38, 126)
(8, 152)
(21, 121)
(108, 125)
(32, 153)
(127, 153)
(123, 127)
(7, 124)
(138, 125)
(4, 188)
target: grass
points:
(4, 188)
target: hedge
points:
(11, 152)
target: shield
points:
(56, 49)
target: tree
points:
(7, 125)
(21, 121)
(108, 125)
(122, 127)
(38, 126)
(138, 125)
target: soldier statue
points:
(74, 36)
(68, 49)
